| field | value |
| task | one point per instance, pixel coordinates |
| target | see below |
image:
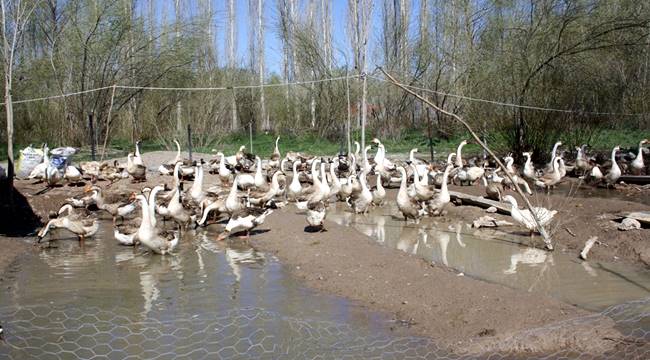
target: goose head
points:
(510, 199)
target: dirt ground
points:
(580, 218)
(12, 248)
(464, 313)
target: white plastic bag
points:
(28, 159)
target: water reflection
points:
(204, 279)
(499, 256)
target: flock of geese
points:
(249, 189)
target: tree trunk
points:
(9, 111)
(230, 44)
(260, 63)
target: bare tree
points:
(177, 25)
(15, 15)
(230, 49)
(326, 31)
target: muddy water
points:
(209, 300)
(499, 256)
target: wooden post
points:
(93, 145)
(108, 124)
(250, 135)
(429, 131)
(540, 228)
(189, 140)
(348, 124)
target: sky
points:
(273, 45)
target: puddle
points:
(587, 191)
(209, 299)
(497, 256)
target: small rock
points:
(629, 224)
(405, 302)
(491, 210)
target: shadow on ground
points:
(17, 218)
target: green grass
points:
(312, 144)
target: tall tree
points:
(230, 50)
(15, 16)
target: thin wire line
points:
(236, 87)
(184, 88)
(59, 96)
(493, 102)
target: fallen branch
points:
(479, 201)
(570, 232)
(540, 228)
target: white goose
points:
(244, 222)
(259, 180)
(137, 171)
(362, 202)
(336, 183)
(225, 175)
(459, 158)
(515, 176)
(262, 197)
(72, 174)
(81, 227)
(421, 166)
(196, 191)
(470, 174)
(52, 175)
(529, 169)
(408, 206)
(438, 203)
(525, 217)
(379, 193)
(550, 179)
(366, 163)
(551, 164)
(275, 156)
(295, 188)
(581, 160)
(175, 210)
(615, 172)
(422, 191)
(233, 204)
(38, 172)
(148, 234)
(137, 159)
(637, 165)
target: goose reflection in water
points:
(530, 256)
(240, 254)
(150, 277)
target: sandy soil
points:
(434, 301)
